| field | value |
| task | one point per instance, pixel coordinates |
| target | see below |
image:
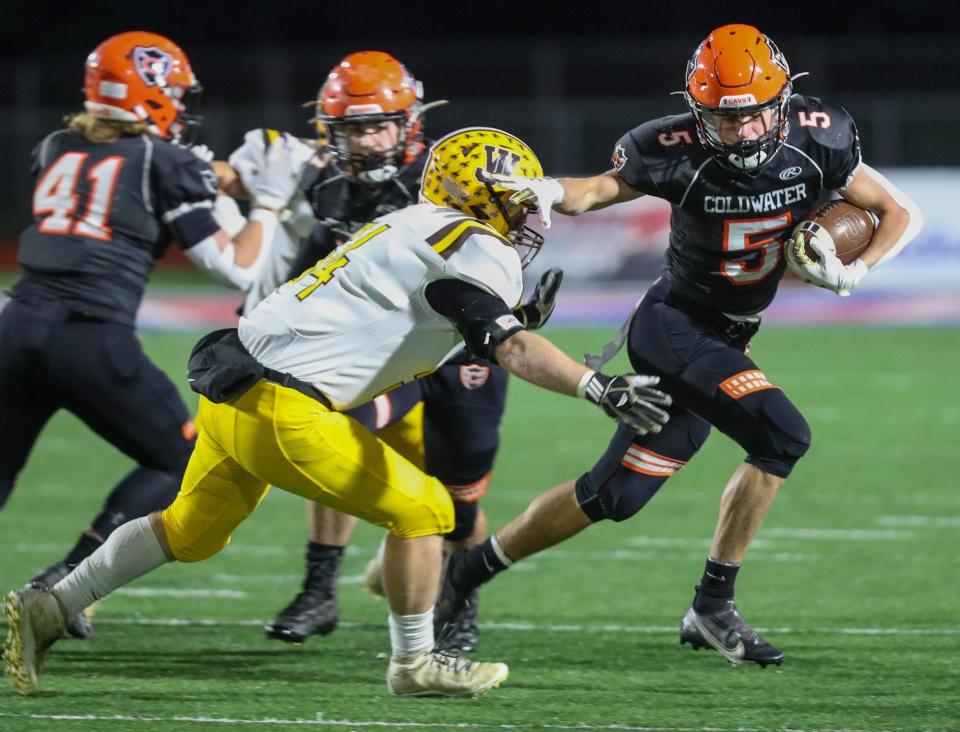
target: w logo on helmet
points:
(501, 161)
(152, 65)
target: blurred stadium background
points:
(854, 572)
(568, 86)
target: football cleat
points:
(310, 613)
(461, 633)
(726, 631)
(439, 673)
(35, 620)
(80, 625)
(451, 601)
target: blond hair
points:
(98, 129)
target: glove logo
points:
(473, 376)
(152, 65)
(619, 157)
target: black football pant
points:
(699, 357)
(51, 359)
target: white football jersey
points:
(296, 219)
(359, 324)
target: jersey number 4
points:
(55, 197)
(322, 271)
(745, 236)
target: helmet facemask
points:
(370, 167)
(525, 240)
(185, 130)
(742, 156)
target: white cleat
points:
(35, 621)
(436, 673)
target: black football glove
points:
(536, 311)
(629, 400)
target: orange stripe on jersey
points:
(746, 382)
(648, 462)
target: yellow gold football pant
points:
(272, 435)
(406, 435)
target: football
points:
(848, 229)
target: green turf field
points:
(853, 576)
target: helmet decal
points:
(152, 65)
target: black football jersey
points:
(727, 229)
(104, 212)
(342, 206)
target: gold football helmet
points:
(460, 173)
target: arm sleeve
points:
(483, 319)
(186, 189)
(628, 160)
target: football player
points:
(740, 169)
(114, 189)
(395, 301)
(371, 111)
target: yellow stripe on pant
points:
(272, 435)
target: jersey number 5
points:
(753, 235)
(55, 196)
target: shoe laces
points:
(451, 660)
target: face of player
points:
(371, 137)
(733, 128)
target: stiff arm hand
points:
(628, 399)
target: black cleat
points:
(79, 626)
(726, 631)
(452, 603)
(310, 613)
(462, 633)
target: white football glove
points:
(828, 271)
(541, 192)
(628, 399)
(202, 151)
(269, 169)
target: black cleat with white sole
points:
(727, 632)
(452, 602)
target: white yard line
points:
(555, 628)
(920, 522)
(321, 721)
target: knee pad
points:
(630, 473)
(187, 548)
(465, 516)
(619, 497)
(784, 436)
(434, 514)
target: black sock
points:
(476, 566)
(85, 546)
(323, 566)
(716, 586)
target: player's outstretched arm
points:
(571, 196)
(234, 258)
(628, 399)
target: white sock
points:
(411, 634)
(129, 552)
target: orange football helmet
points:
(739, 72)
(371, 87)
(142, 77)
